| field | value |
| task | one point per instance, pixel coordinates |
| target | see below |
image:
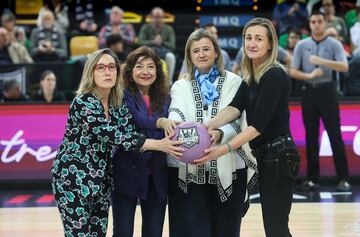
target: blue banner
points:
(227, 3)
(226, 21)
(230, 42)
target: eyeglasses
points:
(102, 67)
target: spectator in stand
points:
(60, 11)
(48, 43)
(337, 78)
(334, 21)
(10, 51)
(161, 37)
(12, 92)
(226, 58)
(313, 5)
(17, 34)
(116, 26)
(293, 37)
(352, 86)
(47, 92)
(116, 44)
(84, 18)
(332, 32)
(315, 58)
(21, 38)
(283, 57)
(290, 13)
(316, 5)
(8, 20)
(355, 35)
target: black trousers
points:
(200, 212)
(322, 102)
(278, 167)
(152, 212)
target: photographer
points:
(48, 42)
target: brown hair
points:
(248, 73)
(87, 83)
(159, 90)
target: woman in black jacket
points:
(48, 92)
(265, 98)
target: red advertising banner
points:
(30, 135)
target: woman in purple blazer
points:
(143, 175)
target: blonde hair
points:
(247, 70)
(196, 36)
(87, 83)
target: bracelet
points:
(228, 146)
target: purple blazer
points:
(131, 169)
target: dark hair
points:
(209, 25)
(45, 74)
(317, 13)
(9, 84)
(113, 39)
(159, 90)
(294, 30)
(50, 4)
(7, 16)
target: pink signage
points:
(31, 134)
(29, 138)
(350, 128)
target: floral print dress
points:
(82, 169)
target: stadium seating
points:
(83, 45)
(27, 10)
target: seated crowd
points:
(49, 40)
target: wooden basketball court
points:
(306, 220)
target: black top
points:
(58, 96)
(266, 105)
(21, 98)
(4, 55)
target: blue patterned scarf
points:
(207, 87)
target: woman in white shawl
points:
(208, 200)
